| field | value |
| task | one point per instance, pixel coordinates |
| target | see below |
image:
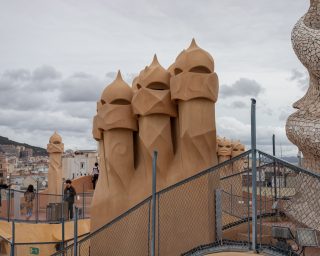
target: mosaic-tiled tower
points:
(303, 126)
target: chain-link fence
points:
(129, 234)
(43, 208)
(295, 224)
(212, 211)
(288, 207)
(185, 218)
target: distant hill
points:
(291, 159)
(37, 151)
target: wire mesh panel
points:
(186, 215)
(46, 210)
(296, 207)
(6, 203)
(189, 214)
(3, 203)
(15, 206)
(83, 202)
(127, 235)
(236, 200)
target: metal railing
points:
(286, 197)
(189, 204)
(14, 207)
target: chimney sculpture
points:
(194, 87)
(55, 149)
(153, 106)
(113, 129)
(175, 114)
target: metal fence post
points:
(254, 174)
(75, 234)
(153, 216)
(260, 201)
(62, 215)
(8, 203)
(13, 238)
(37, 202)
(274, 167)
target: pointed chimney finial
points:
(119, 76)
(154, 61)
(193, 44)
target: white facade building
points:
(78, 163)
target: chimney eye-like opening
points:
(200, 69)
(158, 86)
(120, 102)
(177, 71)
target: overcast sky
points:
(57, 56)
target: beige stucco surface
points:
(55, 149)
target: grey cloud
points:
(45, 89)
(81, 88)
(78, 109)
(43, 121)
(301, 78)
(242, 87)
(81, 75)
(44, 78)
(17, 74)
(57, 121)
(45, 73)
(18, 99)
(14, 79)
(238, 104)
(232, 128)
(5, 85)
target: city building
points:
(78, 163)
(3, 164)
